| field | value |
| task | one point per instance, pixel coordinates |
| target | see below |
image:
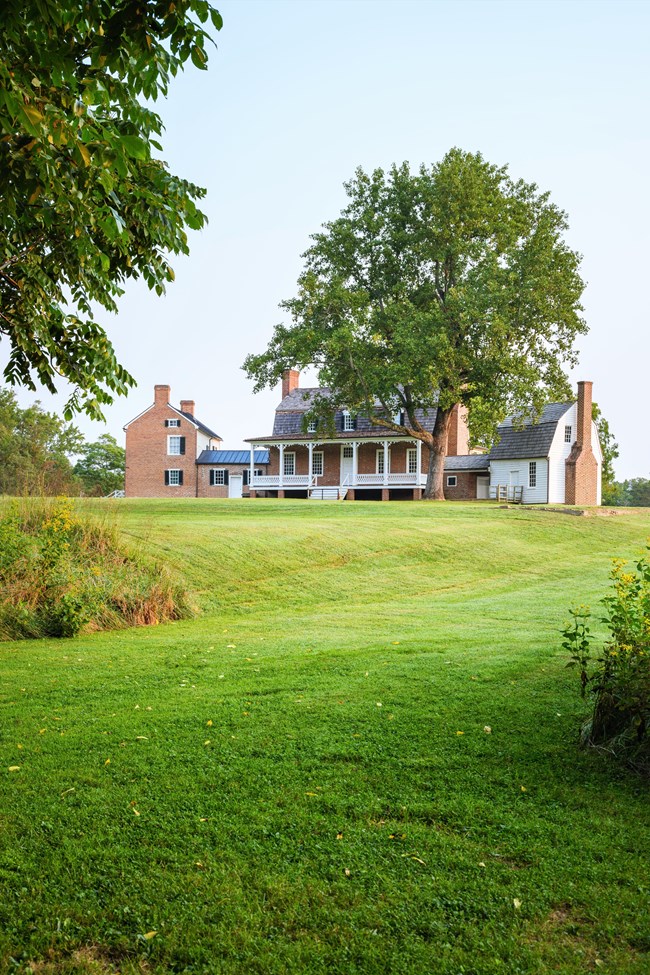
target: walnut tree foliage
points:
(452, 284)
(85, 202)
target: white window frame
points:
(568, 433)
(411, 460)
(174, 441)
(311, 426)
(532, 474)
(174, 478)
(222, 471)
(289, 455)
(172, 423)
(348, 452)
(318, 461)
(380, 460)
(452, 480)
(348, 422)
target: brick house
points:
(554, 460)
(357, 459)
(172, 454)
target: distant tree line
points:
(634, 493)
(40, 454)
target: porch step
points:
(327, 494)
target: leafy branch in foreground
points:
(84, 203)
(619, 678)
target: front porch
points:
(318, 468)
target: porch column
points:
(385, 463)
(418, 446)
(281, 471)
(252, 469)
(355, 462)
(310, 448)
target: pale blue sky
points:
(299, 94)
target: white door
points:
(482, 488)
(347, 464)
(513, 480)
(235, 485)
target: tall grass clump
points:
(61, 573)
(619, 678)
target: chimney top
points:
(187, 406)
(290, 381)
(161, 395)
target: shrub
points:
(60, 573)
(618, 679)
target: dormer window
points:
(348, 421)
(311, 426)
(567, 434)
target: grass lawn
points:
(360, 757)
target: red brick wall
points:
(465, 489)
(581, 470)
(146, 453)
(219, 490)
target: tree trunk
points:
(434, 491)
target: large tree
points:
(100, 467)
(450, 285)
(35, 449)
(84, 201)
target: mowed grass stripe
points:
(345, 810)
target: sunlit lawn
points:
(360, 757)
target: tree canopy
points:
(100, 467)
(453, 284)
(85, 203)
(35, 449)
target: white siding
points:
(502, 472)
(558, 454)
(202, 442)
(560, 451)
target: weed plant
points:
(619, 679)
(61, 573)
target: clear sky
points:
(301, 92)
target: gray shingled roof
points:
(232, 457)
(470, 462)
(201, 426)
(289, 416)
(531, 440)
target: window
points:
(452, 480)
(311, 426)
(289, 464)
(317, 463)
(567, 434)
(380, 461)
(348, 451)
(257, 472)
(532, 473)
(412, 460)
(398, 418)
(175, 445)
(349, 422)
(173, 478)
(172, 423)
(218, 476)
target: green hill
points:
(359, 757)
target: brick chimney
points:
(187, 406)
(161, 395)
(290, 381)
(458, 434)
(581, 472)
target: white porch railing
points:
(397, 479)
